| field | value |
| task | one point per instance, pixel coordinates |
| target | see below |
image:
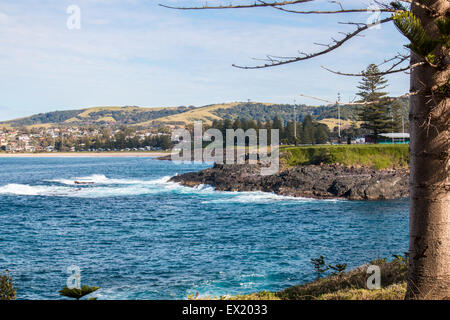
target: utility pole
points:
(295, 125)
(393, 141)
(339, 116)
(403, 130)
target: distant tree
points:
(227, 124)
(165, 142)
(319, 266)
(268, 127)
(237, 124)
(308, 130)
(244, 124)
(277, 124)
(251, 124)
(321, 133)
(259, 124)
(374, 117)
(289, 132)
(338, 268)
(396, 116)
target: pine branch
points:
(411, 27)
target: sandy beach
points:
(83, 154)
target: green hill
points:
(98, 115)
(138, 116)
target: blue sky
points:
(131, 52)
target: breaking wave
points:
(103, 180)
(100, 186)
(256, 197)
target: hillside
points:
(99, 115)
(138, 116)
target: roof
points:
(395, 135)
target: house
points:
(29, 148)
(389, 138)
(393, 138)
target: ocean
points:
(138, 236)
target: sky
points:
(131, 52)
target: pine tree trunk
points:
(429, 249)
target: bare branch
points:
(341, 10)
(315, 98)
(338, 3)
(385, 100)
(389, 71)
(254, 5)
(333, 46)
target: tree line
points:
(307, 131)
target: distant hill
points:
(137, 116)
(99, 115)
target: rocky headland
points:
(324, 181)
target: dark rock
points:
(315, 181)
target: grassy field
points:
(376, 155)
(334, 122)
(199, 114)
(351, 285)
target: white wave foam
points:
(27, 190)
(102, 187)
(108, 187)
(102, 179)
(256, 197)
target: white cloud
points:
(3, 18)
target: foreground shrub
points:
(77, 293)
(7, 289)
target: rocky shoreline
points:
(311, 181)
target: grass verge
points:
(351, 285)
(377, 155)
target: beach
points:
(83, 154)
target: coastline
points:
(308, 181)
(83, 154)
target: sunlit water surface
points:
(138, 236)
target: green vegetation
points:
(421, 43)
(7, 289)
(121, 139)
(267, 112)
(100, 115)
(77, 293)
(377, 156)
(377, 117)
(307, 132)
(351, 285)
(184, 115)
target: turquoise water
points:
(138, 236)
